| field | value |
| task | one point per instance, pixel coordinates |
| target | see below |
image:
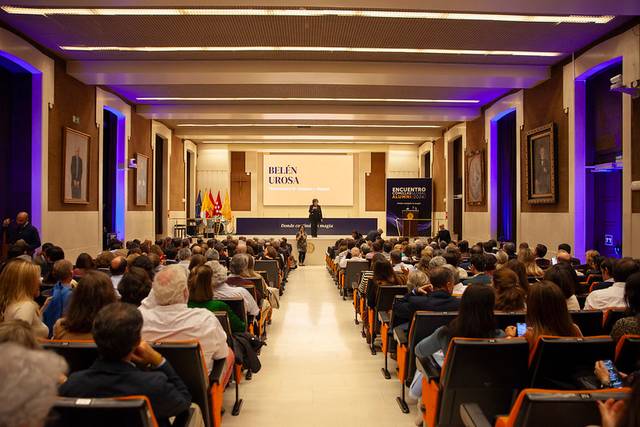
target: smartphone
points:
(614, 375)
(554, 261)
(522, 329)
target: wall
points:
(439, 182)
(177, 185)
(140, 143)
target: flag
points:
(210, 205)
(198, 204)
(204, 212)
(226, 207)
(217, 205)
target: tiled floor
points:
(316, 369)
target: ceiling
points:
(388, 90)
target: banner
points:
(290, 226)
(409, 198)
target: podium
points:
(410, 227)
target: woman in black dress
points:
(315, 216)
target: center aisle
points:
(316, 368)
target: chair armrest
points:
(472, 416)
(184, 419)
(429, 368)
(384, 316)
(400, 336)
(217, 371)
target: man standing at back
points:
(443, 235)
(22, 229)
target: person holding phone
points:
(301, 243)
(315, 216)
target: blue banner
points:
(290, 226)
(409, 198)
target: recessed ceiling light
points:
(308, 49)
(558, 19)
(409, 100)
(315, 125)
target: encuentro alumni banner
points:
(409, 198)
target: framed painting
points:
(475, 179)
(540, 158)
(142, 179)
(75, 166)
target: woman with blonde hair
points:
(528, 258)
(19, 285)
(272, 293)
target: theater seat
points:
(128, 411)
(628, 353)
(537, 407)
(223, 318)
(589, 321)
(565, 363)
(79, 355)
(386, 334)
(423, 324)
(611, 316)
(349, 280)
(488, 372)
(385, 296)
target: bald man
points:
(22, 229)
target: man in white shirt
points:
(613, 296)
(222, 290)
(184, 259)
(355, 256)
(398, 265)
(167, 317)
(117, 268)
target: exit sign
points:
(608, 239)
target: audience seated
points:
(19, 285)
(606, 271)
(117, 268)
(509, 295)
(84, 263)
(134, 286)
(117, 333)
(29, 384)
(532, 269)
(93, 292)
(564, 276)
(434, 297)
(521, 271)
(613, 297)
(168, 318)
(417, 279)
(383, 275)
(565, 247)
(18, 332)
(629, 325)
(540, 252)
(478, 271)
(201, 296)
(58, 302)
(547, 313)
(222, 290)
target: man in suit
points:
(374, 235)
(444, 235)
(76, 175)
(119, 369)
(478, 269)
(22, 229)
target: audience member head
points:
(455, 273)
(117, 331)
(184, 254)
(452, 257)
(509, 295)
(383, 273)
(475, 317)
(606, 268)
(632, 294)
(212, 255)
(18, 332)
(93, 292)
(63, 271)
(197, 250)
(527, 257)
(170, 286)
(200, 284)
(29, 385)
(510, 249)
(219, 276)
(355, 252)
(563, 257)
(624, 268)
(564, 276)
(170, 253)
(519, 268)
(437, 261)
(196, 261)
(387, 247)
(134, 286)
(547, 312)
(396, 257)
(54, 253)
(238, 264)
(85, 262)
(118, 266)
(590, 257)
(463, 245)
(144, 262)
(478, 263)
(501, 258)
(441, 279)
(103, 260)
(540, 251)
(565, 247)
(417, 279)
(19, 281)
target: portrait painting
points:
(541, 165)
(75, 166)
(475, 177)
(142, 178)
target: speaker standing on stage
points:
(315, 216)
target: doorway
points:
(190, 202)
(426, 166)
(506, 177)
(457, 187)
(160, 185)
(109, 169)
(603, 161)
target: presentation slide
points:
(296, 179)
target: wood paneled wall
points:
(240, 192)
(375, 183)
(476, 141)
(439, 176)
(177, 174)
(542, 105)
(72, 98)
(140, 143)
(635, 151)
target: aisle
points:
(317, 370)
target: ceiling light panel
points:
(399, 100)
(388, 14)
(303, 125)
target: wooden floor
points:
(317, 370)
